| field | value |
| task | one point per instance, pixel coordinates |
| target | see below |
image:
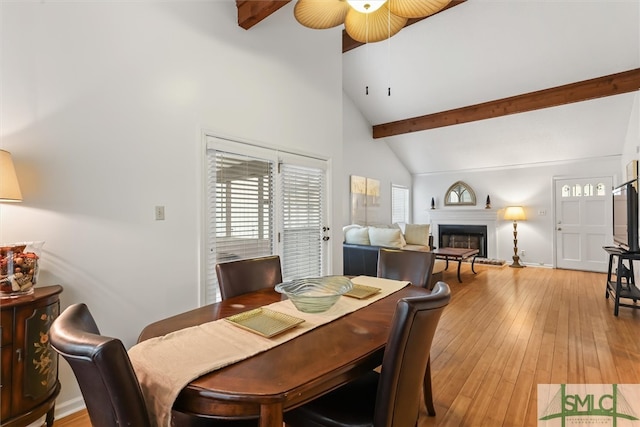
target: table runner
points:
(165, 365)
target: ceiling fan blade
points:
(416, 8)
(320, 14)
(381, 25)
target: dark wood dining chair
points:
(106, 377)
(392, 397)
(247, 275)
(413, 266)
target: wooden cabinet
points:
(29, 377)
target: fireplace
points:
(463, 236)
(467, 217)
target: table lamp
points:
(9, 188)
(17, 271)
(515, 214)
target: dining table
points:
(290, 374)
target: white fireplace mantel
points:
(446, 215)
(455, 216)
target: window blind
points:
(399, 204)
(240, 211)
(303, 190)
(255, 209)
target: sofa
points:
(361, 245)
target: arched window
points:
(588, 190)
(460, 194)
(577, 190)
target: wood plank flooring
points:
(506, 331)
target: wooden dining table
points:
(288, 375)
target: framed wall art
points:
(365, 200)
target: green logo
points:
(586, 404)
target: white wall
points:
(364, 156)
(103, 108)
(531, 186)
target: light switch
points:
(159, 213)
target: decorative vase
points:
(433, 203)
(19, 268)
(488, 205)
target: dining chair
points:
(413, 266)
(390, 398)
(247, 275)
(106, 377)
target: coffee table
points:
(457, 254)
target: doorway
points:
(583, 218)
(263, 201)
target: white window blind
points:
(240, 211)
(303, 190)
(399, 204)
(252, 212)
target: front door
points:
(583, 223)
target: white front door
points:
(583, 223)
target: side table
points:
(624, 283)
(29, 380)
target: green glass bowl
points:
(316, 294)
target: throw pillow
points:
(357, 236)
(389, 237)
(417, 234)
(400, 225)
(403, 242)
(347, 228)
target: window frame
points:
(407, 203)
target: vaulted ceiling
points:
(481, 61)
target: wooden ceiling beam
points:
(251, 12)
(348, 43)
(613, 84)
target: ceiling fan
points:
(366, 21)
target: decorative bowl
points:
(19, 267)
(316, 294)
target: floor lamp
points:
(515, 214)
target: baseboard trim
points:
(64, 409)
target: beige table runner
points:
(165, 365)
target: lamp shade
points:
(514, 213)
(365, 21)
(9, 188)
(416, 8)
(320, 14)
(372, 27)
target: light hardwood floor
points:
(507, 330)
